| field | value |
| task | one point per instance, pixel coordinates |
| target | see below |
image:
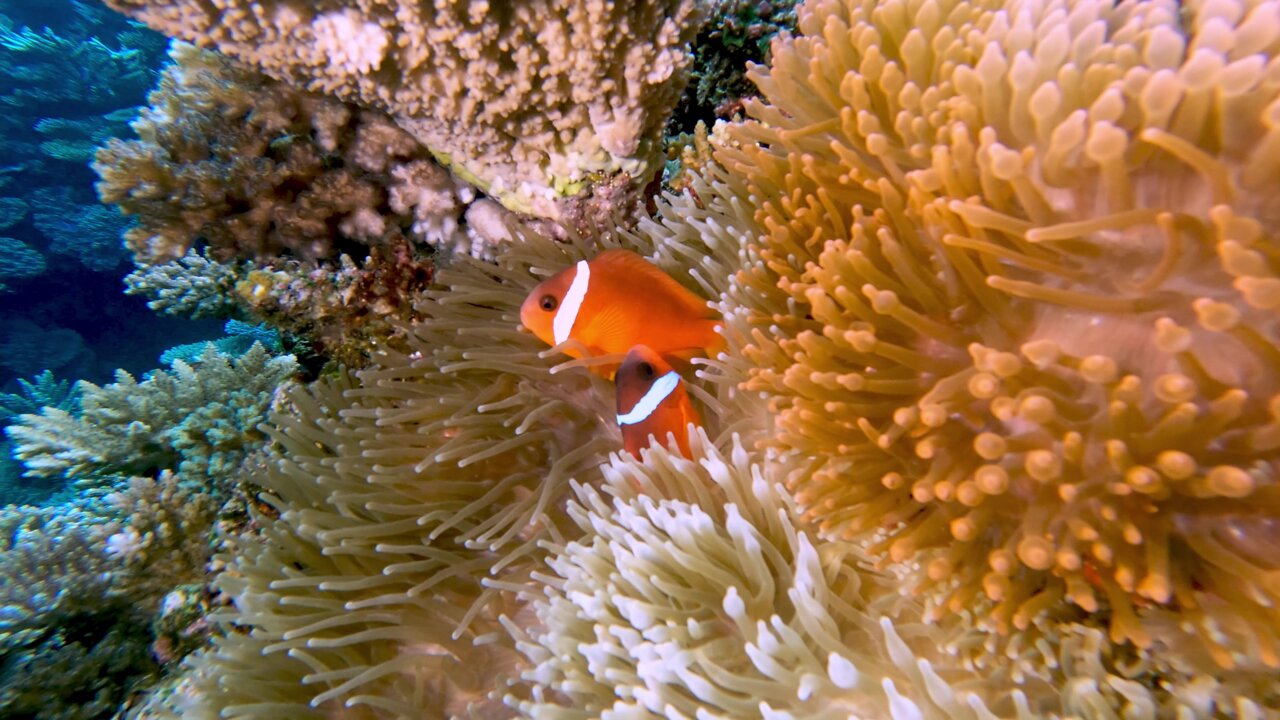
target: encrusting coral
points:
(530, 100)
(1015, 301)
(339, 310)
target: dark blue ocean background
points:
(74, 74)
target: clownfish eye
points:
(645, 370)
(548, 302)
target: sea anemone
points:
(695, 591)
(388, 495)
(1015, 301)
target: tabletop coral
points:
(528, 98)
(1016, 298)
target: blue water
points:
(60, 94)
(72, 75)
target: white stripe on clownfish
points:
(653, 397)
(567, 315)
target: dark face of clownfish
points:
(652, 401)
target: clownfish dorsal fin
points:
(632, 265)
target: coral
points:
(688, 155)
(18, 261)
(390, 495)
(69, 648)
(525, 99)
(737, 34)
(199, 420)
(158, 531)
(27, 348)
(239, 339)
(46, 69)
(341, 312)
(79, 230)
(76, 140)
(254, 168)
(698, 590)
(180, 627)
(1013, 306)
(41, 391)
(78, 587)
(192, 286)
(12, 211)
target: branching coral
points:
(198, 420)
(192, 286)
(38, 392)
(79, 229)
(78, 586)
(1015, 304)
(47, 69)
(526, 98)
(252, 168)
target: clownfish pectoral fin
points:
(631, 264)
(610, 326)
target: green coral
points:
(200, 422)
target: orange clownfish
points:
(652, 402)
(618, 300)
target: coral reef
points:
(76, 73)
(42, 68)
(18, 261)
(736, 35)
(197, 420)
(253, 168)
(79, 585)
(69, 648)
(239, 338)
(43, 390)
(339, 313)
(78, 229)
(193, 286)
(12, 211)
(994, 433)
(1013, 304)
(528, 99)
(28, 348)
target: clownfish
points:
(618, 300)
(652, 402)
